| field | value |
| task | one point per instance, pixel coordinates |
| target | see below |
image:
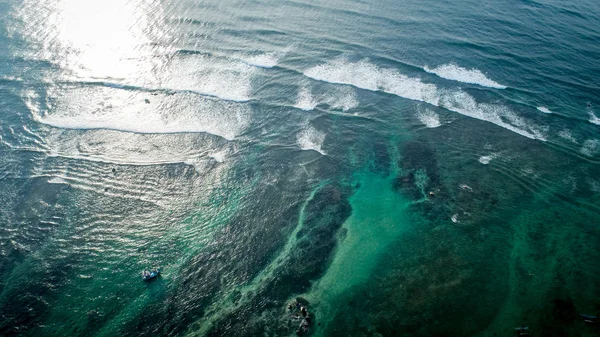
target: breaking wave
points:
(116, 109)
(365, 75)
(429, 118)
(311, 139)
(266, 60)
(593, 118)
(305, 100)
(337, 98)
(455, 73)
(487, 159)
(223, 78)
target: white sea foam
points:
(11, 78)
(311, 139)
(124, 148)
(544, 109)
(368, 76)
(487, 159)
(341, 97)
(566, 134)
(593, 118)
(219, 156)
(454, 72)
(223, 78)
(465, 104)
(57, 180)
(429, 118)
(108, 108)
(337, 98)
(305, 101)
(591, 147)
(266, 60)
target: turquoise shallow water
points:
(407, 168)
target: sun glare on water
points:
(92, 39)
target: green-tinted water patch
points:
(240, 296)
(553, 268)
(378, 218)
(258, 308)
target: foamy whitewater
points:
(341, 98)
(593, 118)
(568, 135)
(221, 77)
(453, 72)
(365, 75)
(265, 60)
(108, 108)
(544, 109)
(429, 118)
(305, 100)
(487, 159)
(311, 139)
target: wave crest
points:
(124, 110)
(368, 76)
(454, 72)
(311, 139)
(429, 118)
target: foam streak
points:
(368, 76)
(455, 73)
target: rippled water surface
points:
(406, 168)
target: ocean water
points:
(407, 168)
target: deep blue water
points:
(406, 168)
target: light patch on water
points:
(223, 78)
(566, 134)
(487, 159)
(593, 118)
(429, 118)
(378, 218)
(466, 187)
(121, 53)
(594, 185)
(341, 98)
(57, 180)
(11, 78)
(337, 98)
(311, 139)
(115, 109)
(305, 100)
(590, 147)
(124, 148)
(365, 75)
(544, 109)
(219, 156)
(421, 180)
(265, 60)
(456, 73)
(465, 104)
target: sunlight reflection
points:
(96, 39)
